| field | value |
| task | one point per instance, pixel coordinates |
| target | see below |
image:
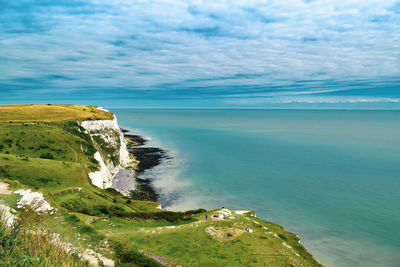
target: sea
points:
(330, 176)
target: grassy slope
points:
(87, 216)
(190, 244)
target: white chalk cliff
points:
(110, 135)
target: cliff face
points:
(111, 154)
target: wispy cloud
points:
(312, 100)
(216, 50)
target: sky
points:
(211, 53)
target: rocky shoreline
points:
(148, 158)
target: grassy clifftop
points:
(51, 113)
(45, 150)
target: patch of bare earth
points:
(4, 188)
(162, 260)
(224, 233)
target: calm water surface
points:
(331, 176)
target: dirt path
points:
(162, 260)
(4, 188)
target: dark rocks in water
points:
(144, 191)
(137, 140)
(148, 157)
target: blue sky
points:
(181, 53)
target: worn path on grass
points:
(4, 188)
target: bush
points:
(169, 216)
(112, 191)
(46, 156)
(72, 219)
(3, 172)
(45, 180)
(284, 237)
(87, 229)
(90, 150)
(190, 212)
(74, 128)
(81, 207)
(94, 161)
(8, 141)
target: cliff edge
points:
(112, 153)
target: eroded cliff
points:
(112, 153)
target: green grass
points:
(47, 151)
(42, 174)
(190, 245)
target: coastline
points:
(147, 158)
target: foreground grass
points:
(25, 243)
(44, 149)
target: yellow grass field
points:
(49, 113)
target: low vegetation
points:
(28, 243)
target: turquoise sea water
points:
(333, 177)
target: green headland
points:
(45, 149)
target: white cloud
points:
(220, 46)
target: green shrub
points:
(284, 237)
(112, 191)
(47, 156)
(8, 141)
(90, 150)
(87, 229)
(72, 219)
(45, 180)
(80, 206)
(3, 172)
(74, 128)
(169, 216)
(190, 212)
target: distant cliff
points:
(112, 153)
